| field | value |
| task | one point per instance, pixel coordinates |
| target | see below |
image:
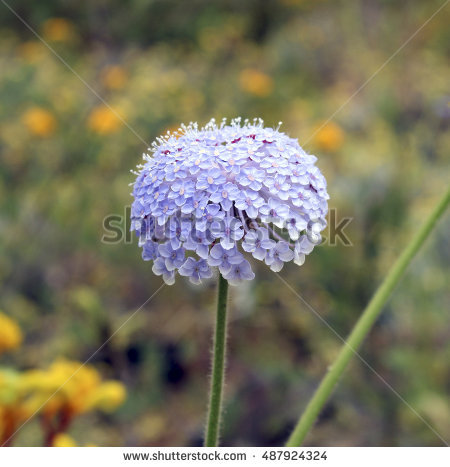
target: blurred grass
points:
(65, 160)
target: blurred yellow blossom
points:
(329, 137)
(114, 77)
(57, 29)
(10, 333)
(73, 388)
(39, 121)
(59, 393)
(107, 397)
(63, 440)
(255, 82)
(104, 120)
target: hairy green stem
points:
(218, 366)
(363, 326)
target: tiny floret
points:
(213, 197)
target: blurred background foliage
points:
(65, 158)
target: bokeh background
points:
(65, 160)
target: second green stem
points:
(363, 325)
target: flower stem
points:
(218, 366)
(363, 325)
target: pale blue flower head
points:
(208, 196)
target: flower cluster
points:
(71, 388)
(59, 393)
(207, 195)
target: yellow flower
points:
(10, 333)
(40, 122)
(63, 391)
(255, 82)
(103, 121)
(114, 77)
(108, 396)
(78, 389)
(57, 29)
(63, 440)
(330, 137)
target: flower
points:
(255, 82)
(174, 257)
(228, 231)
(71, 388)
(58, 30)
(160, 269)
(239, 272)
(63, 391)
(114, 77)
(40, 122)
(108, 396)
(195, 270)
(207, 195)
(223, 258)
(278, 255)
(329, 137)
(104, 120)
(257, 242)
(10, 333)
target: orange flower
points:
(57, 29)
(255, 82)
(104, 120)
(39, 121)
(330, 137)
(114, 77)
